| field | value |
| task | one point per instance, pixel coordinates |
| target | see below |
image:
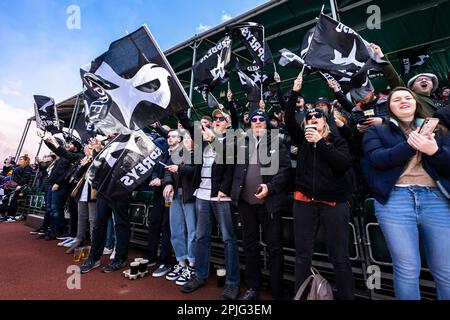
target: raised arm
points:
(292, 126)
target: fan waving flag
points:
(132, 84)
(337, 49)
(46, 115)
(123, 164)
(211, 68)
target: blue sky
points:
(40, 55)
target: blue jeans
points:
(411, 211)
(56, 200)
(183, 222)
(110, 234)
(222, 212)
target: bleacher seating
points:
(366, 243)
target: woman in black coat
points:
(321, 194)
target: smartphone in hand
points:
(428, 126)
(260, 188)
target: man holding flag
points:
(127, 88)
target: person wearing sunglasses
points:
(320, 194)
(212, 181)
(260, 197)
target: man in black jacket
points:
(59, 184)
(260, 196)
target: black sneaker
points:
(231, 292)
(162, 270)
(193, 284)
(176, 272)
(89, 265)
(250, 294)
(113, 266)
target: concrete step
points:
(34, 221)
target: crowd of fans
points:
(327, 154)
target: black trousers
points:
(119, 207)
(307, 217)
(159, 228)
(12, 203)
(252, 217)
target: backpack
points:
(320, 287)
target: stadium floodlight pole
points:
(191, 85)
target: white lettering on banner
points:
(217, 48)
(254, 43)
(139, 170)
(49, 123)
(407, 65)
(343, 28)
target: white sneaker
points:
(62, 243)
(70, 243)
(107, 251)
(113, 255)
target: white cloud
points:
(203, 28)
(12, 124)
(225, 16)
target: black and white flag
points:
(211, 68)
(412, 59)
(123, 164)
(208, 97)
(252, 35)
(290, 59)
(252, 89)
(132, 85)
(337, 49)
(253, 71)
(46, 115)
(86, 129)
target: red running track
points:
(32, 269)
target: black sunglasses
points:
(258, 119)
(219, 118)
(315, 115)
